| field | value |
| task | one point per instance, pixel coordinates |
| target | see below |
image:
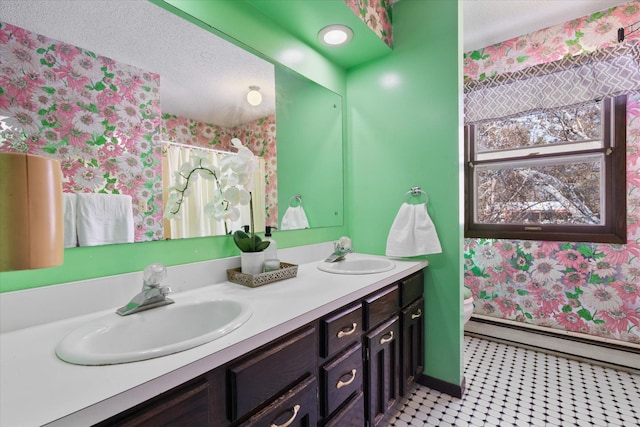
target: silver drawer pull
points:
(385, 340)
(416, 314)
(341, 383)
(296, 408)
(341, 333)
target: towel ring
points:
(295, 197)
(415, 191)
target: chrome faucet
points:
(340, 250)
(152, 294)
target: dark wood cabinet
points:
(340, 378)
(261, 376)
(412, 348)
(350, 415)
(382, 351)
(412, 330)
(341, 329)
(346, 369)
(186, 405)
(297, 407)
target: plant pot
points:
(251, 262)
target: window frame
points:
(614, 229)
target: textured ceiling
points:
(202, 76)
(207, 78)
(487, 22)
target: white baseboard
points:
(618, 357)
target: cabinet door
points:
(412, 348)
(295, 408)
(382, 365)
(187, 405)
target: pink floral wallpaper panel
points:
(377, 14)
(100, 118)
(259, 136)
(587, 288)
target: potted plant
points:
(234, 183)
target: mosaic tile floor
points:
(512, 386)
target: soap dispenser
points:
(272, 250)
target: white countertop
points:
(37, 388)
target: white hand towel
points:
(412, 233)
(70, 234)
(104, 219)
(294, 218)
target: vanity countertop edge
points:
(37, 388)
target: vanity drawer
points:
(341, 378)
(380, 306)
(270, 371)
(339, 330)
(352, 415)
(295, 408)
(411, 288)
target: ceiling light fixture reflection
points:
(335, 35)
(254, 97)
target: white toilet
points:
(468, 304)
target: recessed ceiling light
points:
(254, 97)
(335, 35)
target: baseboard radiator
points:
(575, 346)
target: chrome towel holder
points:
(415, 191)
(296, 197)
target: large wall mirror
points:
(113, 89)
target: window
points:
(554, 175)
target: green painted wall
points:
(239, 23)
(403, 119)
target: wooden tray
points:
(286, 271)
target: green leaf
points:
(476, 55)
(528, 316)
(99, 86)
(598, 321)
(596, 16)
(585, 314)
(49, 149)
(586, 251)
(49, 90)
(571, 296)
(522, 292)
(41, 50)
(567, 309)
(522, 59)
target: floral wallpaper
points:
(377, 14)
(100, 118)
(588, 288)
(259, 136)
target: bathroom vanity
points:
(320, 349)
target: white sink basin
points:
(357, 266)
(156, 332)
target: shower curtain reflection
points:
(193, 221)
